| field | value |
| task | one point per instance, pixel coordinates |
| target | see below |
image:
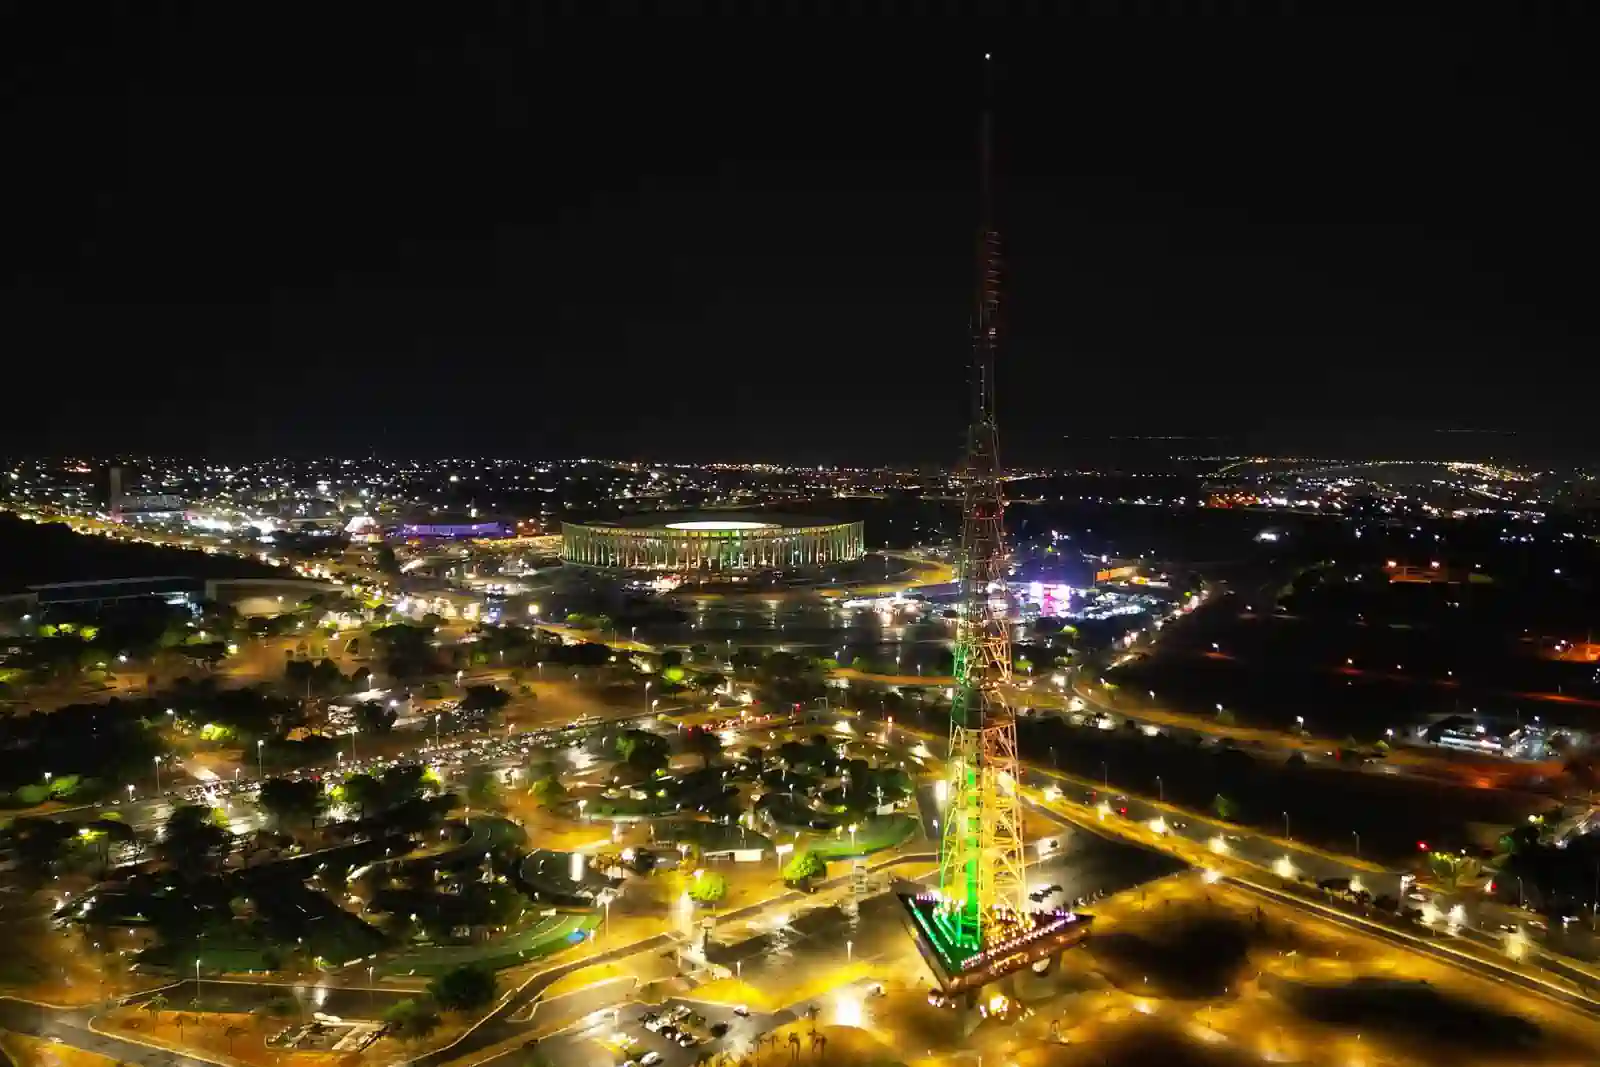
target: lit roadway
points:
(1084, 865)
(1081, 864)
(1198, 831)
(1199, 836)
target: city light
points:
(847, 1009)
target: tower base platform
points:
(960, 968)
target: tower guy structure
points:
(981, 873)
(978, 926)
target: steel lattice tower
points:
(981, 873)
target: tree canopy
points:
(411, 1018)
(290, 800)
(709, 888)
(194, 837)
(464, 988)
(804, 865)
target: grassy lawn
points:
(548, 935)
(872, 835)
(230, 949)
(711, 836)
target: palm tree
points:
(794, 1047)
(230, 1033)
(180, 1019)
(819, 1044)
(156, 1004)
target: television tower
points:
(982, 882)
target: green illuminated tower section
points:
(981, 876)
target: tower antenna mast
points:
(981, 872)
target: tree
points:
(365, 792)
(646, 760)
(41, 843)
(373, 717)
(709, 888)
(407, 649)
(708, 681)
(290, 800)
(233, 1030)
(626, 742)
(549, 791)
(411, 1018)
(755, 755)
(704, 743)
(387, 563)
(804, 866)
(297, 674)
(747, 658)
(464, 988)
(1452, 870)
(207, 654)
(483, 787)
(484, 700)
(1225, 808)
(193, 837)
(326, 677)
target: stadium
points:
(716, 542)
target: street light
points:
(261, 765)
(1358, 841)
(647, 695)
(1161, 789)
(157, 761)
(1286, 833)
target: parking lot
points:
(628, 1034)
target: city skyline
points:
(1241, 706)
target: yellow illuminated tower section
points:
(981, 875)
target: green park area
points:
(873, 834)
(551, 933)
(711, 836)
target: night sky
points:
(461, 229)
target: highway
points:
(1481, 925)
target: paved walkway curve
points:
(74, 1027)
(497, 1026)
